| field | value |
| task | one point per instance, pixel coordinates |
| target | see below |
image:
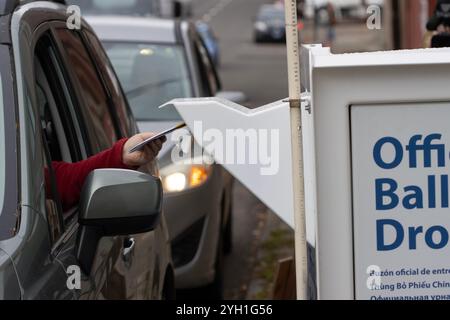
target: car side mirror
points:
(233, 96)
(115, 202)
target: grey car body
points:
(44, 94)
(199, 218)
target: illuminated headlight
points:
(261, 26)
(175, 182)
(178, 178)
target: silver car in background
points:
(158, 60)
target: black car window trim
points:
(205, 85)
(212, 67)
(10, 213)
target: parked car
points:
(61, 101)
(158, 60)
(270, 24)
(210, 41)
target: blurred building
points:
(405, 22)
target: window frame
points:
(205, 67)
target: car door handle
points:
(128, 248)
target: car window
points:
(121, 109)
(99, 123)
(151, 75)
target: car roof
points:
(134, 29)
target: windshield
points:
(117, 7)
(151, 75)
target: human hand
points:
(147, 154)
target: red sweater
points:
(70, 177)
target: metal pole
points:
(293, 60)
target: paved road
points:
(260, 72)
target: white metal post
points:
(293, 59)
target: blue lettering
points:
(429, 237)
(413, 200)
(398, 153)
(412, 149)
(413, 232)
(381, 193)
(400, 234)
(428, 146)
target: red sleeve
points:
(70, 177)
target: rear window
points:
(151, 75)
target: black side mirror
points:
(116, 202)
